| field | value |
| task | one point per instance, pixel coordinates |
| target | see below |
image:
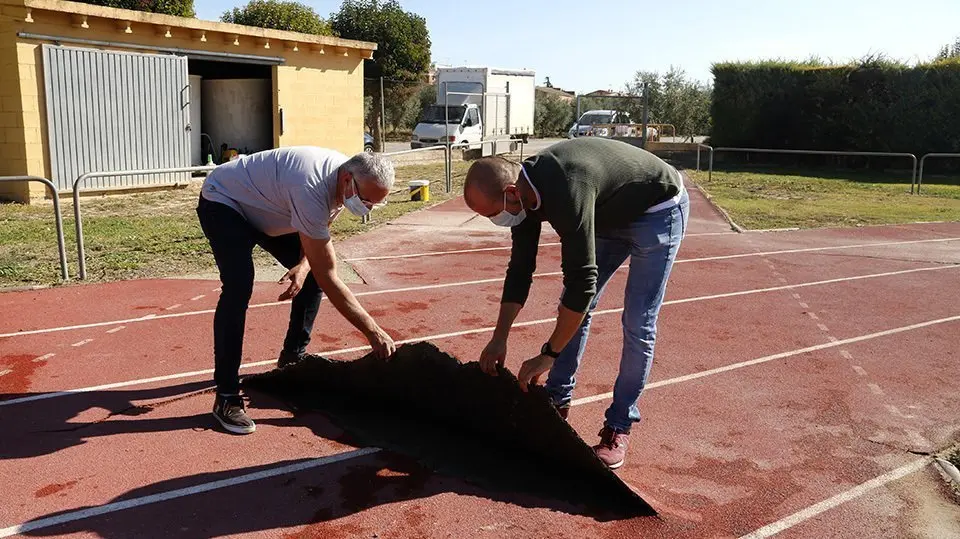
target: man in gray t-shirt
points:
(284, 200)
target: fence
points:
(393, 107)
(924, 158)
(913, 179)
(81, 261)
(58, 217)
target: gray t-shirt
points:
(281, 191)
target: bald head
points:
(487, 180)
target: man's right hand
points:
(493, 355)
(382, 344)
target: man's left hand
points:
(297, 275)
(532, 369)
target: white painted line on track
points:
(195, 298)
(774, 357)
(875, 389)
(81, 343)
(800, 516)
(812, 250)
(489, 249)
(116, 329)
(191, 374)
(72, 516)
(5, 372)
(859, 370)
(823, 328)
(845, 354)
(44, 357)
(172, 307)
(452, 285)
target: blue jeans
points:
(651, 243)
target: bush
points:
(552, 115)
(279, 15)
(872, 106)
(179, 8)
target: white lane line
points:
(44, 396)
(44, 357)
(802, 304)
(813, 249)
(805, 514)
(859, 370)
(116, 329)
(470, 283)
(5, 372)
(812, 315)
(875, 389)
(81, 343)
(490, 249)
(831, 338)
(823, 328)
(172, 307)
(774, 357)
(796, 296)
(89, 512)
(114, 507)
(195, 298)
(216, 289)
(845, 354)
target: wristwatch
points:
(546, 351)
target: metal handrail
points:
(61, 244)
(81, 262)
(913, 179)
(924, 158)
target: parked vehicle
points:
(584, 126)
(367, 142)
(500, 106)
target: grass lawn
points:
(157, 234)
(757, 199)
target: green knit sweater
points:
(587, 186)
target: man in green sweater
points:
(608, 201)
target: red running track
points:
(800, 378)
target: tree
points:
(674, 99)
(279, 15)
(179, 8)
(403, 50)
(552, 115)
(949, 52)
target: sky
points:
(601, 44)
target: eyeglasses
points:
(368, 203)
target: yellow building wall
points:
(321, 93)
(13, 161)
(322, 103)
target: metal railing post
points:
(924, 158)
(58, 217)
(81, 261)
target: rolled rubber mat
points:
(458, 421)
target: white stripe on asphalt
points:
(89, 512)
(44, 396)
(417, 288)
(830, 503)
(782, 355)
(812, 249)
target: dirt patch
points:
(458, 421)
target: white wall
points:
(238, 113)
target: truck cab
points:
(458, 124)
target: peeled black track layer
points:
(458, 421)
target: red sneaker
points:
(612, 449)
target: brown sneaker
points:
(612, 448)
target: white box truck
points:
(500, 107)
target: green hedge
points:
(870, 107)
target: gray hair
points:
(372, 166)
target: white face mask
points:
(354, 204)
(508, 219)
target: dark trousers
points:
(232, 240)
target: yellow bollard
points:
(419, 190)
